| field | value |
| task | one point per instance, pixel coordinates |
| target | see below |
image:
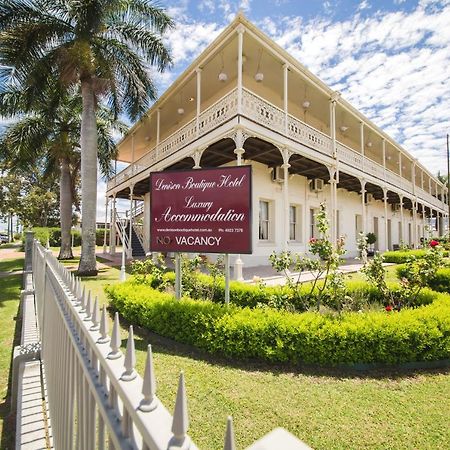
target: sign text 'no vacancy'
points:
(201, 211)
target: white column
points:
(333, 199)
(285, 167)
(415, 237)
(240, 30)
(285, 97)
(106, 224)
(239, 151)
(199, 92)
(402, 226)
(385, 199)
(112, 233)
(130, 248)
(363, 205)
(333, 172)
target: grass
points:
(11, 265)
(327, 409)
(9, 303)
(334, 410)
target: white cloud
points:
(364, 5)
(391, 66)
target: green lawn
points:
(9, 302)
(327, 409)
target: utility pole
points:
(448, 186)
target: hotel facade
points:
(245, 100)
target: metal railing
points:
(96, 398)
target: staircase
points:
(137, 251)
(123, 223)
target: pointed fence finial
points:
(115, 352)
(149, 402)
(180, 422)
(130, 358)
(88, 308)
(95, 316)
(83, 300)
(229, 436)
(104, 338)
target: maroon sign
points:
(201, 211)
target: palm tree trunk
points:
(88, 264)
(65, 206)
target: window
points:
(293, 235)
(264, 220)
(312, 223)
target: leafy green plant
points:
(417, 274)
(376, 276)
(264, 333)
(324, 264)
(150, 271)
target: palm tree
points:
(47, 135)
(105, 47)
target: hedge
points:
(440, 282)
(420, 334)
(53, 235)
(401, 256)
(253, 295)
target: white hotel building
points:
(245, 100)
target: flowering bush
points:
(433, 243)
(325, 265)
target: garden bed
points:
(420, 334)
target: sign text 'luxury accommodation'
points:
(204, 210)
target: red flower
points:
(433, 243)
(388, 308)
(312, 240)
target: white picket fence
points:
(96, 398)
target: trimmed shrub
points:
(264, 333)
(53, 235)
(441, 281)
(100, 236)
(400, 257)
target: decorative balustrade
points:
(214, 116)
(261, 111)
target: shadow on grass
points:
(11, 293)
(161, 344)
(10, 265)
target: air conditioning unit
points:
(369, 198)
(277, 174)
(395, 207)
(316, 185)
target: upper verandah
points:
(308, 99)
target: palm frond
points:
(149, 44)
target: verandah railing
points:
(96, 398)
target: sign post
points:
(201, 211)
(227, 278)
(178, 275)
